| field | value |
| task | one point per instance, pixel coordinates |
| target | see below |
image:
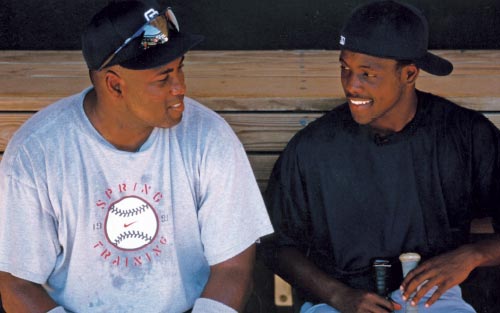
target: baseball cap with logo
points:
(389, 29)
(136, 35)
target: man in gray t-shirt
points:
(128, 197)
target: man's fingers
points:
(418, 282)
(396, 306)
(415, 275)
(420, 293)
(382, 305)
(435, 296)
(431, 288)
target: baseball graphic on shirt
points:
(131, 223)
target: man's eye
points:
(370, 75)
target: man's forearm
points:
(230, 282)
(294, 267)
(230, 288)
(297, 269)
(487, 251)
(21, 296)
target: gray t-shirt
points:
(106, 230)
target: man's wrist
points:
(336, 293)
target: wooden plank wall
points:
(266, 96)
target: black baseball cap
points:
(118, 22)
(389, 29)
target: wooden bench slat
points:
(210, 62)
(463, 89)
(262, 165)
(247, 80)
(28, 103)
(259, 132)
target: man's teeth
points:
(176, 105)
(360, 102)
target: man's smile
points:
(359, 102)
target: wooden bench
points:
(266, 96)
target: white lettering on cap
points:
(151, 14)
(342, 40)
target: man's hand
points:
(444, 272)
(301, 272)
(350, 300)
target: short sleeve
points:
(232, 215)
(286, 201)
(28, 231)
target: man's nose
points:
(178, 87)
(352, 84)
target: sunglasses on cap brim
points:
(154, 32)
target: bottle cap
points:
(410, 256)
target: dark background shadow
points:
(249, 25)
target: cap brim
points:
(157, 56)
(434, 64)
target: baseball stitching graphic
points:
(131, 223)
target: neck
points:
(403, 113)
(109, 125)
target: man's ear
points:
(113, 83)
(410, 73)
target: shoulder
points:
(38, 139)
(198, 115)
(435, 105)
(456, 125)
(46, 125)
(202, 124)
(445, 113)
(329, 126)
(326, 133)
(195, 109)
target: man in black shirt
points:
(392, 170)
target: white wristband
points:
(205, 305)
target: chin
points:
(360, 120)
(170, 123)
